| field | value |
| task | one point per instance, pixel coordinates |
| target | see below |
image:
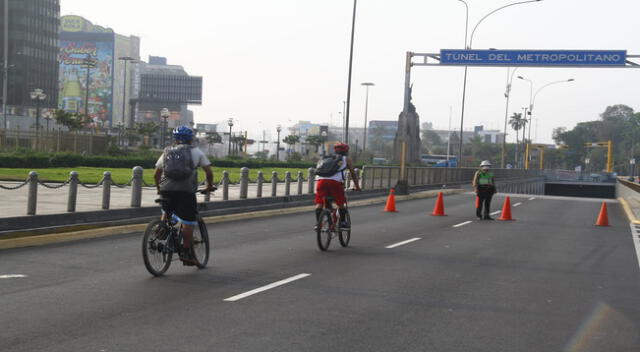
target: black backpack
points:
(178, 164)
(329, 166)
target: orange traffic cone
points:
(603, 217)
(506, 210)
(438, 210)
(391, 202)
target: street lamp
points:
(89, 63)
(532, 100)
(468, 47)
(5, 62)
(124, 91)
(507, 95)
(324, 143)
(278, 129)
(230, 123)
(366, 110)
(164, 113)
(47, 117)
(348, 102)
(38, 96)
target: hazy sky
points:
(270, 62)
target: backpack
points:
(329, 166)
(177, 163)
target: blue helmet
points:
(183, 133)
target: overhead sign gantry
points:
(503, 58)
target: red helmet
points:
(341, 148)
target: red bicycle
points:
(328, 225)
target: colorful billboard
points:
(73, 58)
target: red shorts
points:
(330, 188)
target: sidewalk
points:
(54, 201)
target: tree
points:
(146, 129)
(72, 120)
(213, 138)
(291, 140)
(315, 141)
(517, 122)
(430, 140)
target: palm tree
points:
(516, 122)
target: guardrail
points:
(371, 178)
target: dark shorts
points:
(182, 204)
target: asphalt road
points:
(549, 281)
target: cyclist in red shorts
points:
(333, 185)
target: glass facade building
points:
(33, 53)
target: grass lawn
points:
(94, 175)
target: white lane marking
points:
(532, 198)
(517, 205)
(403, 243)
(636, 241)
(12, 276)
(496, 212)
(463, 223)
(267, 287)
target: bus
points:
(439, 160)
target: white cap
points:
(485, 163)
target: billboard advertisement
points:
(76, 77)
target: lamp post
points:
(38, 96)
(47, 117)
(468, 47)
(366, 111)
(324, 143)
(507, 95)
(278, 129)
(89, 63)
(532, 100)
(348, 102)
(164, 113)
(230, 123)
(124, 91)
(5, 63)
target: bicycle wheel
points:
(201, 244)
(323, 230)
(155, 252)
(345, 235)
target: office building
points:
(95, 71)
(158, 86)
(32, 42)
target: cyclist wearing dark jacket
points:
(181, 194)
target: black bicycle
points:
(163, 238)
(328, 225)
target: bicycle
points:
(328, 226)
(163, 238)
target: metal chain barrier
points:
(10, 188)
(124, 184)
(91, 186)
(54, 187)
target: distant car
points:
(379, 161)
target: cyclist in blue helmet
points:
(176, 180)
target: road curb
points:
(30, 241)
(627, 209)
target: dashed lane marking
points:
(403, 242)
(496, 212)
(636, 240)
(463, 223)
(532, 198)
(12, 276)
(267, 287)
(517, 205)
